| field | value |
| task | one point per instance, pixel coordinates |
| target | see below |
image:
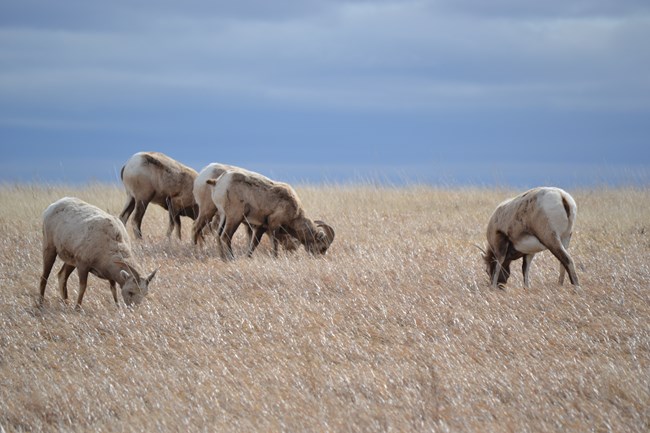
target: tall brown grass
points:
(395, 329)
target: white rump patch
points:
(553, 207)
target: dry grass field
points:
(395, 329)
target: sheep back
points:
(153, 174)
(84, 234)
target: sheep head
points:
(135, 288)
(490, 262)
(322, 238)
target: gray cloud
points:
(133, 68)
(402, 54)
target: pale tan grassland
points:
(395, 329)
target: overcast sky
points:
(462, 90)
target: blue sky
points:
(457, 91)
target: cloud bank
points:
(443, 73)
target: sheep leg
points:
(174, 223)
(565, 243)
(497, 272)
(140, 208)
(562, 273)
(275, 242)
(83, 282)
(227, 233)
(49, 257)
(255, 239)
(500, 255)
(249, 232)
(525, 269)
(560, 253)
(114, 291)
(170, 212)
(64, 274)
(567, 262)
(220, 227)
(174, 218)
(200, 223)
(128, 208)
(177, 223)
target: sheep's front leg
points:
(174, 223)
(275, 242)
(177, 223)
(114, 292)
(170, 213)
(83, 282)
(499, 260)
(500, 249)
(198, 226)
(64, 274)
(255, 239)
(497, 272)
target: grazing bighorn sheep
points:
(537, 220)
(208, 210)
(154, 177)
(89, 239)
(267, 205)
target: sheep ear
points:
(151, 275)
(212, 182)
(125, 274)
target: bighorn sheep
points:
(208, 210)
(268, 206)
(155, 177)
(89, 239)
(537, 220)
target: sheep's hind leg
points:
(227, 232)
(525, 269)
(174, 219)
(128, 208)
(565, 244)
(49, 257)
(140, 208)
(565, 259)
